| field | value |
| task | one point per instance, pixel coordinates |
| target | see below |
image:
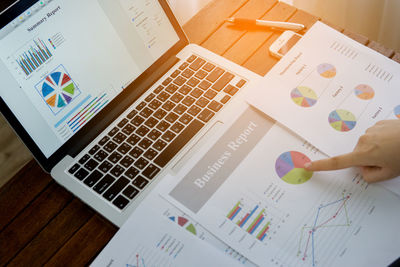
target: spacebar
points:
(180, 141)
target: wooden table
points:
(41, 223)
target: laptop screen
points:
(62, 62)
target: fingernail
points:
(307, 165)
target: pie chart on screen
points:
(304, 96)
(289, 167)
(342, 120)
(364, 92)
(326, 70)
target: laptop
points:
(110, 96)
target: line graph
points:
(331, 215)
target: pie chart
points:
(289, 167)
(326, 70)
(397, 111)
(304, 96)
(364, 92)
(342, 120)
(58, 90)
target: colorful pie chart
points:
(304, 96)
(326, 70)
(397, 111)
(58, 89)
(342, 120)
(364, 92)
(289, 167)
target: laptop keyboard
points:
(130, 155)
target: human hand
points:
(377, 153)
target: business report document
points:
(249, 189)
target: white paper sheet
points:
(260, 203)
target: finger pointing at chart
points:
(377, 153)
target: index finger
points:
(336, 163)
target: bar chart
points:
(33, 55)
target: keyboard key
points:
(141, 106)
(119, 138)
(151, 122)
(141, 163)
(117, 187)
(171, 88)
(132, 172)
(223, 81)
(155, 104)
(204, 85)
(140, 182)
(159, 114)
(182, 139)
(225, 99)
(150, 154)
(100, 156)
(193, 82)
(241, 83)
(124, 148)
(163, 96)
(191, 58)
(167, 81)
(120, 202)
(177, 97)
(162, 126)
(105, 166)
(126, 161)
(201, 74)
(215, 74)
(149, 97)
(171, 117)
(136, 152)
(122, 122)
(180, 109)
(196, 93)
(210, 94)
(159, 145)
(81, 174)
(93, 178)
(208, 67)
(117, 170)
(188, 101)
(84, 159)
(231, 90)
(131, 114)
(145, 143)
(154, 134)
(215, 106)
(158, 89)
(185, 118)
(91, 164)
(175, 73)
(168, 136)
(133, 139)
(185, 89)
(151, 171)
(113, 131)
(202, 102)
(104, 140)
(110, 146)
(168, 105)
(130, 192)
(183, 66)
(206, 115)
(104, 183)
(114, 157)
(128, 129)
(137, 121)
(146, 112)
(179, 80)
(94, 149)
(142, 130)
(187, 73)
(194, 110)
(177, 127)
(197, 64)
(74, 168)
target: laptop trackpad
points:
(210, 132)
